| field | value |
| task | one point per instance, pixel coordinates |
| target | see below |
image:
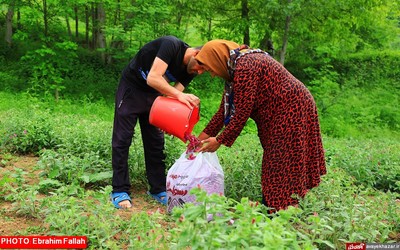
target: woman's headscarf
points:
(215, 55)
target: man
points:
(148, 75)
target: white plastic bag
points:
(204, 171)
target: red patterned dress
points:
(288, 127)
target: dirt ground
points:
(13, 224)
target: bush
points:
(357, 94)
(369, 69)
(372, 163)
(28, 133)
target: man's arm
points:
(156, 80)
(179, 86)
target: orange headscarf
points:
(215, 55)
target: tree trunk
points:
(56, 94)
(126, 25)
(245, 19)
(179, 15)
(101, 39)
(68, 26)
(266, 44)
(285, 41)
(45, 18)
(19, 26)
(94, 24)
(209, 36)
(117, 14)
(285, 38)
(115, 44)
(76, 23)
(128, 16)
(87, 26)
(9, 19)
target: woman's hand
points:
(209, 145)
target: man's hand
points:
(189, 99)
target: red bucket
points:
(173, 117)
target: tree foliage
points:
(297, 32)
(309, 30)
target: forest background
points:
(346, 52)
(60, 63)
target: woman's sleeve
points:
(217, 121)
(245, 93)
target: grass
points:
(357, 200)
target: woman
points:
(259, 87)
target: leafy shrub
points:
(48, 67)
(220, 223)
(10, 81)
(357, 93)
(93, 82)
(369, 69)
(29, 133)
(71, 210)
(348, 210)
(71, 169)
(242, 166)
(372, 163)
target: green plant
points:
(356, 200)
(67, 168)
(372, 162)
(28, 132)
(25, 201)
(18, 176)
(91, 214)
(6, 184)
(49, 67)
(216, 222)
(242, 167)
(347, 209)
